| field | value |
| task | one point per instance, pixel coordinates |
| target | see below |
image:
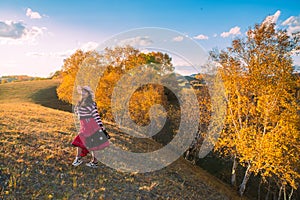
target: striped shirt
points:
(89, 111)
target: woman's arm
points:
(96, 116)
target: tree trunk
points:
(279, 194)
(187, 154)
(268, 192)
(291, 194)
(245, 180)
(233, 171)
(259, 187)
(284, 193)
(274, 195)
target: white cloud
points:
(17, 33)
(293, 24)
(201, 37)
(178, 38)
(272, 18)
(10, 29)
(233, 31)
(176, 61)
(32, 15)
(290, 21)
(89, 46)
(136, 41)
(32, 33)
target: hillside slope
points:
(36, 156)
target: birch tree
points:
(262, 126)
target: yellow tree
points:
(148, 95)
(121, 61)
(261, 130)
(103, 71)
(69, 74)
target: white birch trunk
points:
(291, 194)
(245, 180)
(279, 194)
(233, 171)
(284, 193)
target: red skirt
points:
(88, 127)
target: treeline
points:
(261, 129)
(18, 78)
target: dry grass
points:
(36, 157)
(34, 139)
(22, 91)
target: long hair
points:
(86, 101)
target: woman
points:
(90, 123)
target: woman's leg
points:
(77, 160)
(79, 150)
(94, 159)
(93, 163)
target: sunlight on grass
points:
(22, 91)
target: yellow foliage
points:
(105, 70)
(262, 124)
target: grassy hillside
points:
(36, 156)
(41, 92)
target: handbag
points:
(96, 139)
(106, 134)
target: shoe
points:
(92, 164)
(77, 162)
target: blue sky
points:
(37, 35)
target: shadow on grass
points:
(48, 98)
